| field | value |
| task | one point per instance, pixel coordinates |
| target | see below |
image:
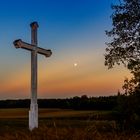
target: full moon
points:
(75, 64)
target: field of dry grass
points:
(57, 124)
(67, 133)
(49, 113)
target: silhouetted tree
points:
(125, 45)
(125, 48)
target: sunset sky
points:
(75, 32)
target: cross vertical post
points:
(33, 113)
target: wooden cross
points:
(33, 113)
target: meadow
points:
(61, 124)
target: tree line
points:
(76, 103)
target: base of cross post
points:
(33, 116)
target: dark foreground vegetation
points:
(45, 133)
(56, 124)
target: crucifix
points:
(33, 47)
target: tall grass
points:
(62, 125)
(67, 133)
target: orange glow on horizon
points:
(89, 77)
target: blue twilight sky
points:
(75, 32)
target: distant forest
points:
(76, 103)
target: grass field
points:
(58, 124)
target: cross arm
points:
(45, 52)
(20, 44)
